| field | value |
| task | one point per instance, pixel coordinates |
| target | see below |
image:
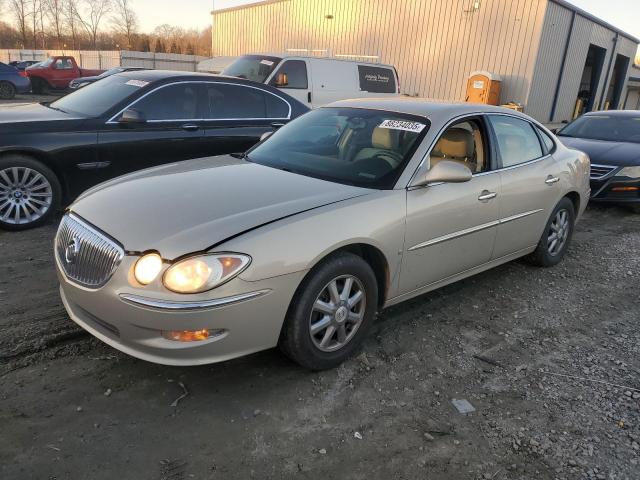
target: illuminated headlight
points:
(204, 272)
(147, 268)
(630, 172)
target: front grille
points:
(87, 256)
(601, 171)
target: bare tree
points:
(35, 11)
(93, 13)
(125, 20)
(55, 13)
(20, 11)
(71, 14)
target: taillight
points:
(22, 73)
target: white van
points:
(317, 81)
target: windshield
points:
(609, 128)
(256, 68)
(365, 148)
(44, 63)
(97, 98)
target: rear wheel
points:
(331, 312)
(7, 91)
(556, 237)
(29, 192)
(39, 86)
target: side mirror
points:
(265, 135)
(445, 171)
(131, 117)
(282, 80)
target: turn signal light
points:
(625, 189)
(192, 335)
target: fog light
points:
(192, 335)
(147, 268)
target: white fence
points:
(108, 59)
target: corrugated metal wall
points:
(434, 44)
(557, 24)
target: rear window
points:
(256, 68)
(377, 79)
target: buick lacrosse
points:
(299, 243)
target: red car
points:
(56, 73)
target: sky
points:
(624, 14)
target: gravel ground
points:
(549, 359)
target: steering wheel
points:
(392, 158)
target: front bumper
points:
(615, 189)
(248, 315)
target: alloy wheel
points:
(6, 90)
(25, 195)
(337, 313)
(558, 232)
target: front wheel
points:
(556, 237)
(7, 91)
(331, 312)
(29, 192)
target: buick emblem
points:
(72, 251)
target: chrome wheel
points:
(558, 232)
(25, 195)
(337, 313)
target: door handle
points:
(189, 127)
(486, 195)
(551, 180)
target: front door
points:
(62, 73)
(172, 130)
(530, 178)
(451, 228)
(292, 78)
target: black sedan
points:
(612, 141)
(77, 83)
(50, 153)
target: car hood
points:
(191, 206)
(600, 152)
(33, 112)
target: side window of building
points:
(376, 79)
(226, 101)
(292, 74)
(174, 102)
(463, 143)
(517, 140)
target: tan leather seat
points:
(381, 139)
(455, 145)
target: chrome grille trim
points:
(600, 171)
(98, 256)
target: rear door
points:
(237, 115)
(292, 77)
(530, 187)
(173, 130)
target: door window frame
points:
(113, 119)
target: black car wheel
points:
(39, 86)
(29, 192)
(556, 236)
(331, 312)
(7, 91)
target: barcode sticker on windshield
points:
(415, 127)
(268, 63)
(137, 83)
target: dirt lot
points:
(72, 408)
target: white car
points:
(318, 81)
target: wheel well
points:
(42, 158)
(378, 263)
(575, 199)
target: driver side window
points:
(464, 143)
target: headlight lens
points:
(147, 268)
(631, 172)
(204, 272)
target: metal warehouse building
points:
(554, 58)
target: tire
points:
(39, 86)
(548, 254)
(7, 91)
(29, 192)
(306, 348)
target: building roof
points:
(593, 18)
